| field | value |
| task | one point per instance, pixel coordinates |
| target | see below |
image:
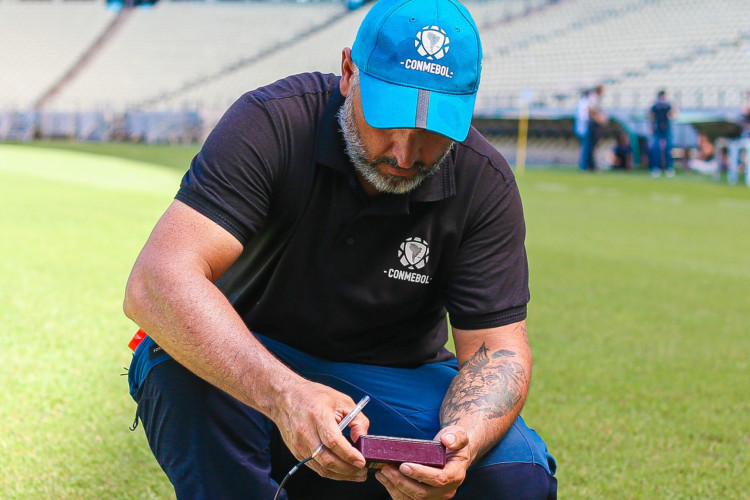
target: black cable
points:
(288, 475)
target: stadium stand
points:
(314, 46)
(166, 72)
(40, 41)
(626, 45)
(163, 48)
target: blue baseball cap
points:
(419, 66)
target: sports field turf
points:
(640, 301)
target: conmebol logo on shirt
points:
(414, 253)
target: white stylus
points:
(345, 421)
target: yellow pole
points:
(523, 132)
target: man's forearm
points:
(486, 396)
(192, 321)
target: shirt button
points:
(350, 241)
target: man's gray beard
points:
(358, 155)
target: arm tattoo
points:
(488, 383)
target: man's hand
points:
(419, 481)
(310, 417)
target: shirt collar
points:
(331, 152)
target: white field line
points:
(733, 203)
(552, 187)
(667, 197)
(598, 191)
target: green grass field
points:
(637, 323)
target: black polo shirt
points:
(326, 269)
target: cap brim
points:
(387, 105)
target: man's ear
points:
(347, 71)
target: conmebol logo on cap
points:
(432, 42)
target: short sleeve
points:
(231, 179)
(488, 285)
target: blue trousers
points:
(589, 140)
(585, 150)
(211, 446)
(660, 153)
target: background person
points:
(313, 249)
(621, 155)
(661, 114)
(581, 125)
(745, 117)
(703, 159)
(595, 129)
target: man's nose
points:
(405, 147)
